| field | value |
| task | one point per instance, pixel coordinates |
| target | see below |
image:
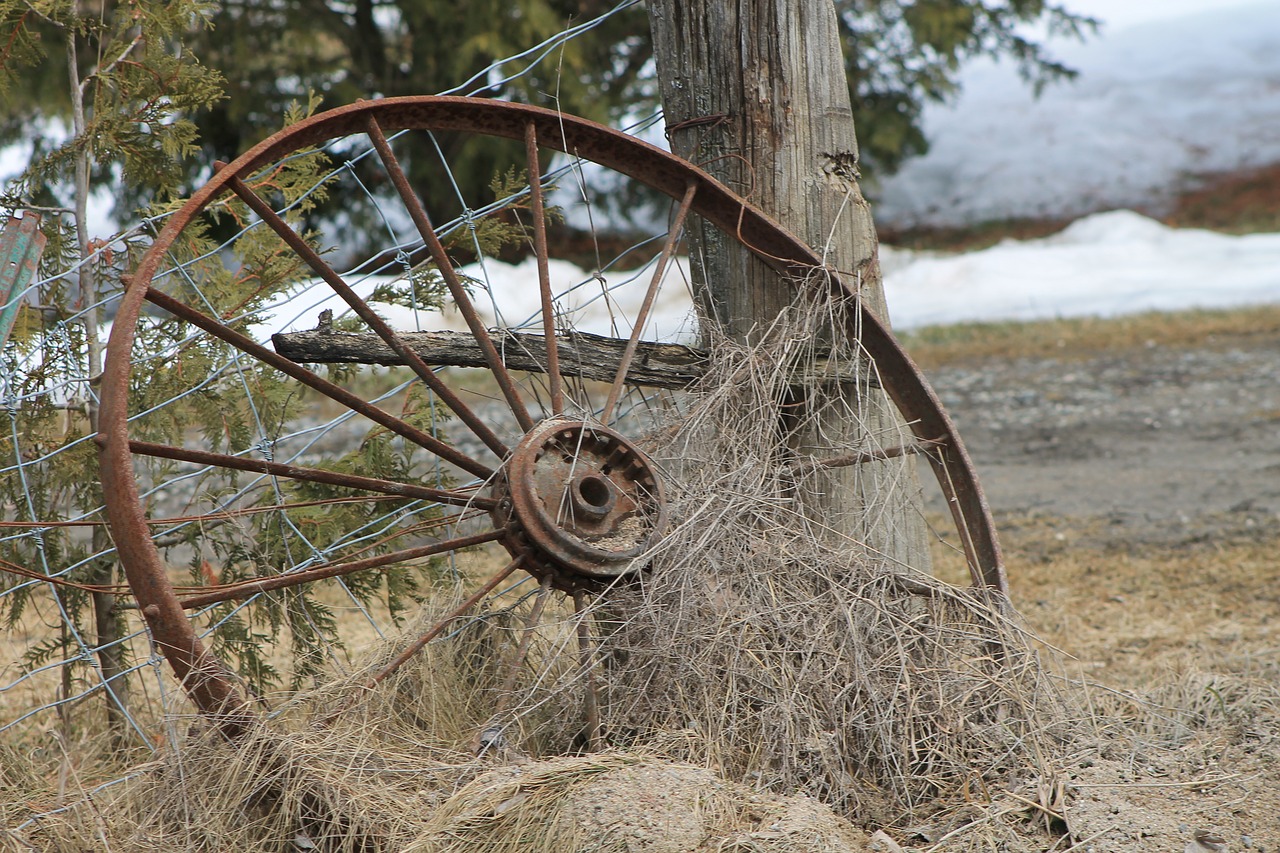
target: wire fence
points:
(78, 665)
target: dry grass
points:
(1088, 337)
(1132, 614)
(971, 238)
(1190, 624)
(620, 801)
(1148, 619)
(1240, 202)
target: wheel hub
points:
(581, 502)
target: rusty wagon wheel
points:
(544, 458)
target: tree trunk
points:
(109, 628)
(755, 92)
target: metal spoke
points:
(439, 627)
(461, 299)
(587, 654)
(247, 588)
(507, 690)
(673, 239)
(334, 392)
(311, 475)
(217, 519)
(544, 273)
(312, 258)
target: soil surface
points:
(1138, 496)
(1160, 444)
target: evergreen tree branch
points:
(111, 66)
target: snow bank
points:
(1105, 265)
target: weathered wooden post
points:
(755, 91)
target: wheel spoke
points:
(439, 627)
(248, 345)
(544, 273)
(587, 654)
(673, 239)
(254, 586)
(312, 258)
(507, 690)
(586, 657)
(310, 475)
(459, 293)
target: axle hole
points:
(594, 491)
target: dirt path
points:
(1160, 444)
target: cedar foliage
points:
(133, 97)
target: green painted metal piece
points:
(21, 243)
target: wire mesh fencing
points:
(80, 674)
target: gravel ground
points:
(1156, 442)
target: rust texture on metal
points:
(296, 371)
(438, 629)
(457, 292)
(248, 588)
(642, 316)
(586, 501)
(537, 208)
(311, 475)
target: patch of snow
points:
(1102, 265)
(507, 295)
(1106, 264)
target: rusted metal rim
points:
(211, 688)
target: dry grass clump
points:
(627, 802)
(274, 792)
(764, 645)
(270, 790)
(340, 768)
(455, 687)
